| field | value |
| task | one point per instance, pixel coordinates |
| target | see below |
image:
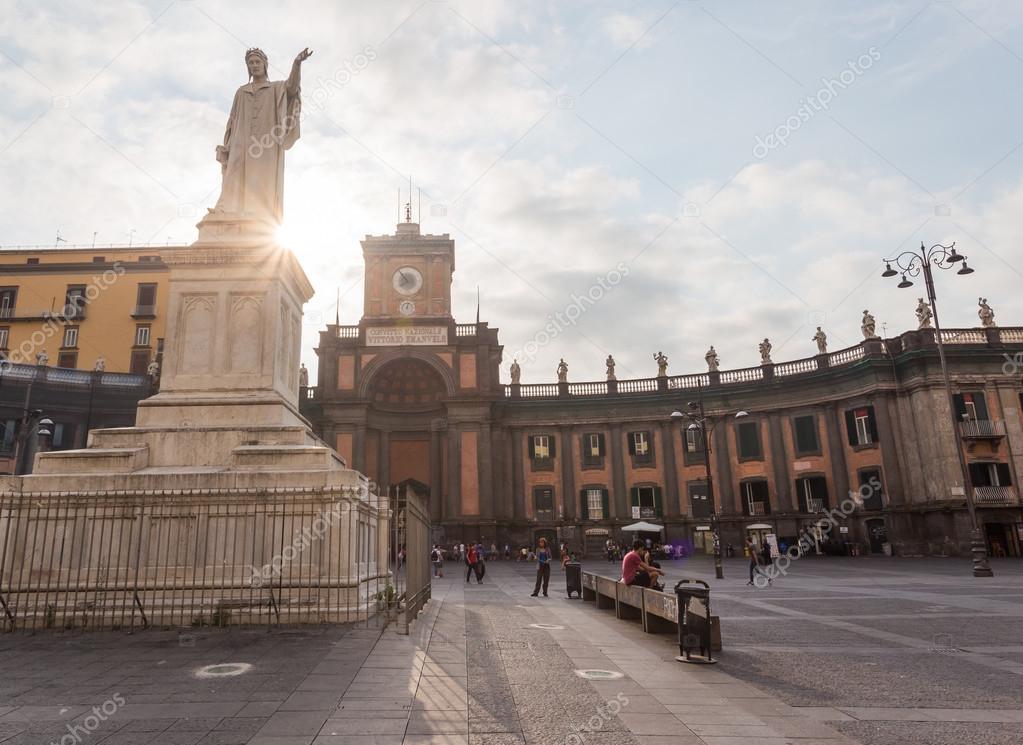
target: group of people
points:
(616, 551)
(639, 567)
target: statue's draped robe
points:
(264, 122)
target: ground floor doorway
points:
(877, 535)
(1003, 539)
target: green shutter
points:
(552, 439)
(605, 500)
(658, 501)
(584, 508)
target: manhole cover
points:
(599, 674)
(546, 626)
(227, 670)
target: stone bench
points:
(657, 611)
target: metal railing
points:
(982, 428)
(230, 557)
(994, 494)
(412, 532)
(144, 310)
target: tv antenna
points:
(59, 240)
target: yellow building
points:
(79, 305)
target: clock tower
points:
(408, 276)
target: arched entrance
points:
(406, 420)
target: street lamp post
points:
(912, 263)
(698, 422)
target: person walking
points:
(470, 562)
(507, 552)
(437, 557)
(481, 563)
(767, 561)
(543, 567)
(755, 560)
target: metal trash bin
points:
(694, 626)
(574, 578)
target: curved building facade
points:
(849, 450)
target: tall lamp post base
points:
(981, 568)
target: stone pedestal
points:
(224, 426)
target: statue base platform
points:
(214, 480)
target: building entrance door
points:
(877, 535)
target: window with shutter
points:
(812, 492)
(806, 434)
(594, 499)
(871, 489)
(749, 441)
(699, 500)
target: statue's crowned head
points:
(257, 62)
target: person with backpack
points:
(470, 561)
(437, 557)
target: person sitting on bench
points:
(636, 572)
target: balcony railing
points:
(465, 329)
(756, 509)
(817, 364)
(347, 332)
(813, 506)
(144, 311)
(980, 428)
(994, 494)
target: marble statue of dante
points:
(987, 315)
(562, 372)
(713, 361)
(662, 365)
(923, 314)
(765, 352)
(822, 341)
(868, 325)
(609, 363)
(264, 122)
(516, 372)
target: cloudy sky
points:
(718, 171)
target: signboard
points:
(843, 529)
(772, 541)
(635, 513)
(406, 336)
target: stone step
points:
(284, 457)
(127, 437)
(93, 460)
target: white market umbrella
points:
(643, 527)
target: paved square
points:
(839, 651)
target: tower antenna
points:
(477, 305)
(419, 207)
(337, 309)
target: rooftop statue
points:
(822, 341)
(923, 314)
(868, 326)
(987, 316)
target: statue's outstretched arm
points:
(295, 78)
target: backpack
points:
(470, 557)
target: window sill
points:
(868, 446)
(542, 465)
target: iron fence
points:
(220, 558)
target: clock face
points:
(407, 307)
(407, 281)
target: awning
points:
(759, 526)
(643, 527)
